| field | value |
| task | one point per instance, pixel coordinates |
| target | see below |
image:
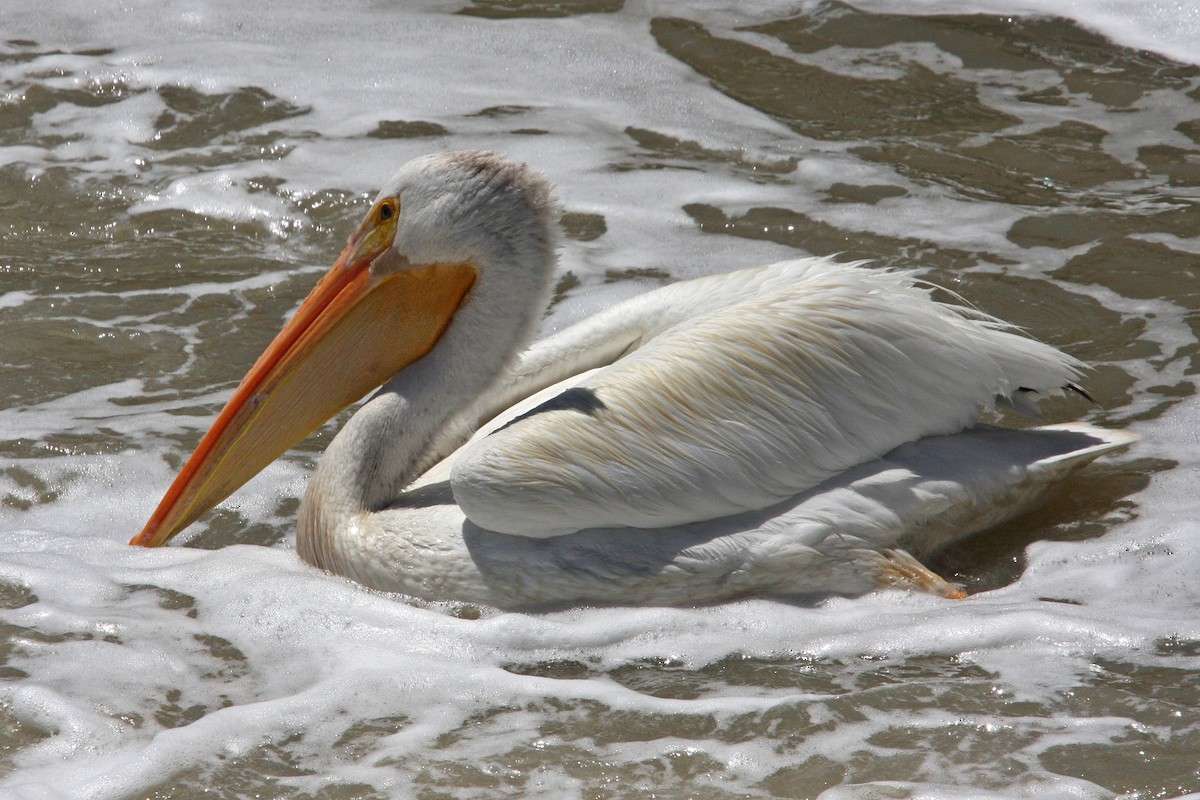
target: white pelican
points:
(789, 429)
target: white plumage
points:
(766, 382)
(787, 429)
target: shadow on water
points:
(1081, 508)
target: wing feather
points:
(744, 393)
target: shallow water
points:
(173, 178)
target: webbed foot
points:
(897, 569)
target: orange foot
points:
(898, 570)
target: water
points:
(173, 177)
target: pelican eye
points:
(386, 212)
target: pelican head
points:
(450, 236)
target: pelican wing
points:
(737, 397)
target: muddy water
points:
(172, 181)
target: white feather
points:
(836, 538)
(745, 390)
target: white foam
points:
(221, 195)
(319, 654)
(1169, 27)
(15, 299)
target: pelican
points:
(797, 428)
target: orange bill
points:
(354, 331)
